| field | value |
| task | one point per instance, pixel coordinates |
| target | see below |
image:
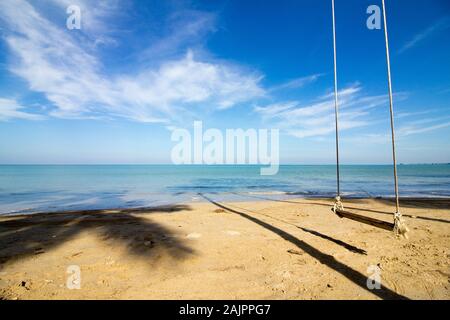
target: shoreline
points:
(295, 249)
(437, 200)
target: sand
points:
(293, 249)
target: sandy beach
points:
(285, 249)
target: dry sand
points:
(296, 249)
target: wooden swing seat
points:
(363, 219)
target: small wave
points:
(266, 192)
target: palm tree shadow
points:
(25, 236)
(351, 274)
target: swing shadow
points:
(341, 243)
(351, 274)
(404, 215)
(408, 203)
(347, 246)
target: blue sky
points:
(113, 91)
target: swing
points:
(398, 226)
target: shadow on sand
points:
(341, 243)
(27, 235)
(351, 274)
(443, 204)
(347, 246)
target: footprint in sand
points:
(193, 235)
(232, 233)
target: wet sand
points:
(293, 249)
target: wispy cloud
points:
(11, 109)
(422, 126)
(53, 62)
(181, 30)
(298, 82)
(275, 108)
(440, 25)
(404, 128)
(317, 119)
(400, 115)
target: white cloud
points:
(275, 108)
(298, 82)
(318, 119)
(11, 109)
(403, 129)
(72, 77)
(419, 126)
(181, 30)
(441, 24)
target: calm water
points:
(50, 188)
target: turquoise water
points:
(36, 188)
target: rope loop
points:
(400, 227)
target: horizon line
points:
(224, 164)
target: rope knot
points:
(337, 204)
(400, 227)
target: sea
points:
(49, 188)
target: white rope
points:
(400, 227)
(338, 204)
